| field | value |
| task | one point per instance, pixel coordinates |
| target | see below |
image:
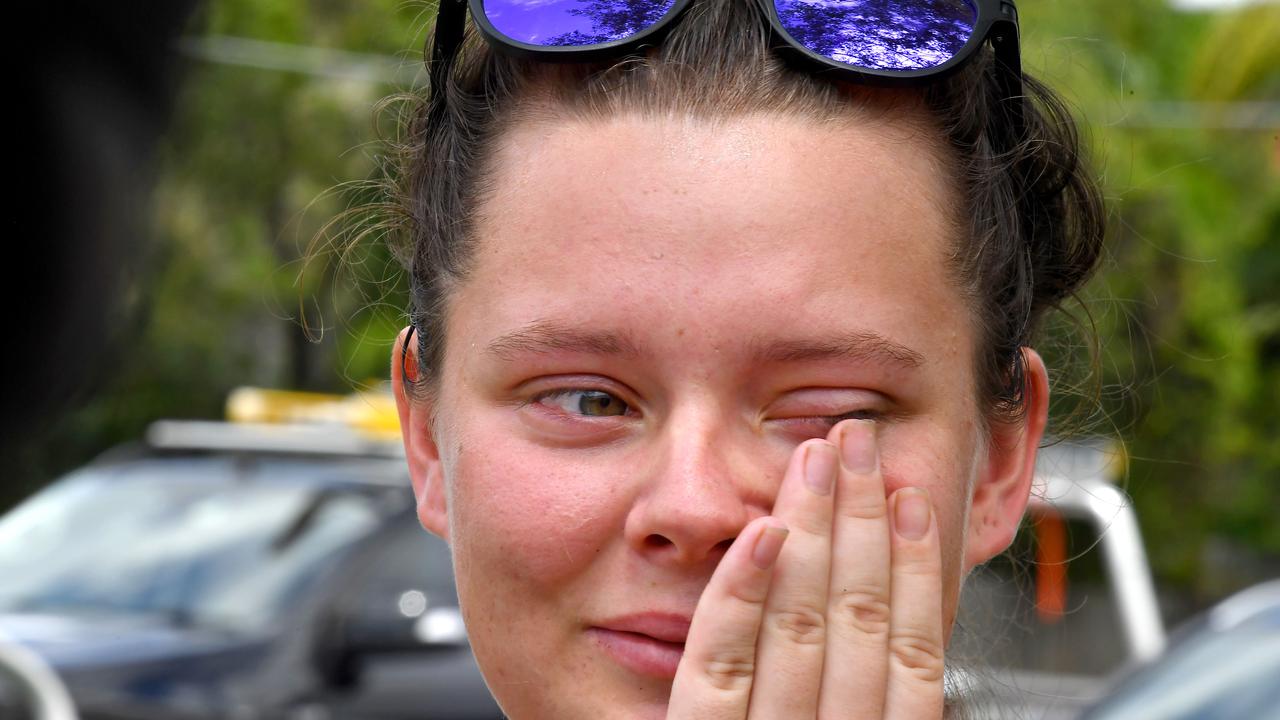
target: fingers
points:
(858, 608)
(884, 615)
(915, 616)
(715, 676)
(849, 621)
(793, 636)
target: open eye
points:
(589, 403)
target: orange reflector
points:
(1051, 566)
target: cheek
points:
(941, 461)
(522, 515)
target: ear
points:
(1003, 485)
(420, 449)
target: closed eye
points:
(817, 426)
(865, 414)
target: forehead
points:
(734, 228)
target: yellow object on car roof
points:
(371, 412)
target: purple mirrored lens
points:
(881, 34)
(573, 22)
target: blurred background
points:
(257, 127)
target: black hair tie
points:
(404, 356)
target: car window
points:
(217, 540)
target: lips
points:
(649, 644)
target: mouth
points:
(648, 644)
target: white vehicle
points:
(1045, 629)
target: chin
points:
(582, 703)
(570, 686)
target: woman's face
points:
(659, 311)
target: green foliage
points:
(1188, 306)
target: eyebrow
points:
(866, 347)
(544, 336)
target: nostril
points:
(722, 547)
(657, 541)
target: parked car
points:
(1044, 629)
(233, 570)
(1225, 665)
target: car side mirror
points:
(432, 629)
(351, 639)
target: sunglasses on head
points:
(884, 42)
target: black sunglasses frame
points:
(997, 21)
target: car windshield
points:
(217, 541)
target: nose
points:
(702, 487)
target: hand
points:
(841, 621)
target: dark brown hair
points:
(1031, 216)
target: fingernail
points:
(911, 512)
(768, 545)
(820, 467)
(858, 445)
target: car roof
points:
(280, 439)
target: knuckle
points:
(917, 565)
(920, 654)
(751, 596)
(810, 527)
(865, 609)
(871, 507)
(730, 671)
(802, 626)
(919, 560)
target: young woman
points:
(720, 379)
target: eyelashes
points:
(586, 402)
(866, 414)
(816, 426)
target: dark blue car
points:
(228, 571)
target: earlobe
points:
(425, 470)
(1003, 485)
